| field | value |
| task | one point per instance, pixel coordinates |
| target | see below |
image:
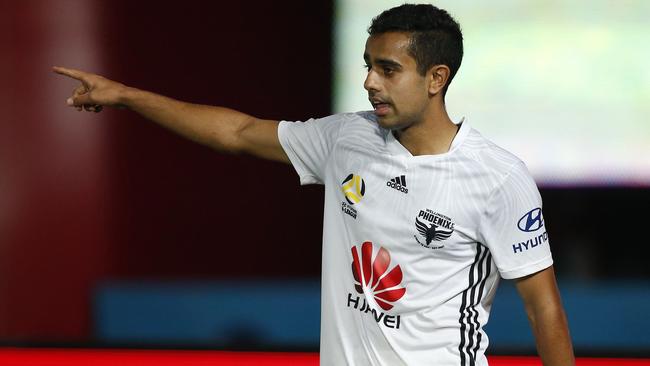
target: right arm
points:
(220, 128)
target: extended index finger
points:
(75, 74)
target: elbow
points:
(532, 319)
(552, 316)
(230, 139)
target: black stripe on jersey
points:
(469, 326)
(403, 179)
(482, 277)
(461, 346)
(488, 269)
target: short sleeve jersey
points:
(414, 246)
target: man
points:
(422, 215)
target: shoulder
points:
(337, 121)
(354, 126)
(490, 158)
(363, 117)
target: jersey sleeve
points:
(309, 145)
(513, 226)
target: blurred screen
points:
(563, 85)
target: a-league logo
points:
(353, 188)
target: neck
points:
(431, 136)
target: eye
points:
(388, 70)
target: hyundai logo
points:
(531, 221)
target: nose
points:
(371, 83)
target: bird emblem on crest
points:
(432, 232)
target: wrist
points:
(127, 97)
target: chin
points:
(391, 123)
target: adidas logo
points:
(398, 183)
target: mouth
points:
(381, 107)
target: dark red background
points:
(136, 201)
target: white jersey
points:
(413, 246)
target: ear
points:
(438, 76)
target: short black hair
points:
(436, 38)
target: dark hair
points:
(436, 38)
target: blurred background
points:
(117, 233)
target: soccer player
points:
(423, 216)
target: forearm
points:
(548, 322)
(552, 338)
(222, 129)
(215, 127)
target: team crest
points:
(432, 228)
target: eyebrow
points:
(383, 61)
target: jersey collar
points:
(396, 148)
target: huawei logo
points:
(374, 276)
